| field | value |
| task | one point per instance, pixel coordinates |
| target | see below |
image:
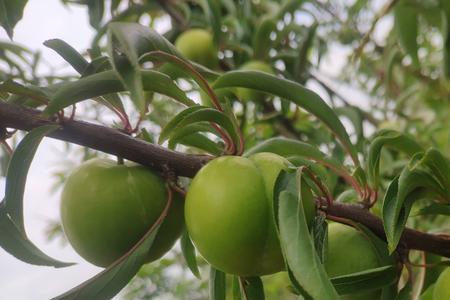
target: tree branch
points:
(105, 139)
(117, 143)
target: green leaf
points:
(446, 37)
(10, 13)
(13, 236)
(16, 175)
(320, 236)
(201, 142)
(261, 39)
(16, 243)
(106, 284)
(217, 285)
(407, 28)
(354, 115)
(294, 92)
(291, 192)
(126, 43)
(367, 280)
(108, 82)
(75, 59)
(38, 95)
(212, 11)
(434, 209)
(236, 288)
(252, 288)
(391, 139)
(96, 9)
(292, 149)
(197, 114)
(188, 250)
(425, 175)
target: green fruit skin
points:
(107, 208)
(349, 251)
(441, 287)
(245, 94)
(428, 294)
(198, 45)
(228, 213)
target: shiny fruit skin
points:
(441, 287)
(228, 214)
(106, 208)
(245, 94)
(349, 251)
(198, 45)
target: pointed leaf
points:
(406, 26)
(391, 139)
(295, 238)
(217, 285)
(75, 59)
(126, 43)
(367, 280)
(252, 288)
(107, 82)
(11, 12)
(188, 250)
(294, 92)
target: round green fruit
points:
(198, 45)
(441, 287)
(245, 94)
(107, 208)
(229, 217)
(349, 251)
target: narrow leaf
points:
(406, 26)
(295, 238)
(11, 12)
(294, 92)
(75, 59)
(217, 285)
(108, 82)
(252, 288)
(188, 250)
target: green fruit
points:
(245, 94)
(107, 208)
(441, 290)
(229, 217)
(198, 45)
(428, 294)
(349, 251)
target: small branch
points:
(104, 139)
(366, 38)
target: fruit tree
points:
(281, 149)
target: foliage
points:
(388, 153)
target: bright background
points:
(20, 281)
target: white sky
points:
(20, 281)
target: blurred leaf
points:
(252, 288)
(11, 12)
(367, 280)
(188, 251)
(126, 43)
(290, 193)
(13, 238)
(261, 39)
(108, 82)
(294, 92)
(406, 26)
(434, 209)
(217, 285)
(75, 59)
(96, 9)
(212, 10)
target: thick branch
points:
(117, 143)
(106, 140)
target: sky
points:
(21, 281)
